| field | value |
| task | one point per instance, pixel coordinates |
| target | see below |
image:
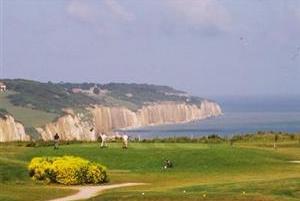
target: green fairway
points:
(201, 171)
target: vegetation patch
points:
(47, 97)
(3, 113)
(68, 170)
(33, 133)
(27, 115)
(54, 97)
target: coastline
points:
(228, 124)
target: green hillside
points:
(46, 97)
(53, 97)
(28, 116)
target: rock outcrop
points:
(10, 130)
(106, 119)
(69, 127)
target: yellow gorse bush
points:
(67, 170)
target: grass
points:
(220, 172)
(29, 117)
(26, 192)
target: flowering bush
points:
(68, 170)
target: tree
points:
(96, 91)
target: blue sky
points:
(207, 47)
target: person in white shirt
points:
(125, 141)
(103, 140)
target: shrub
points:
(67, 170)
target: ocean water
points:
(241, 116)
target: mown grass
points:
(28, 192)
(283, 189)
(219, 171)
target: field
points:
(29, 117)
(242, 172)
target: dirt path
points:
(294, 162)
(86, 192)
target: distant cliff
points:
(82, 110)
(10, 130)
(106, 119)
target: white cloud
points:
(206, 13)
(106, 17)
(109, 16)
(81, 10)
(119, 10)
(99, 12)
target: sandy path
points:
(86, 192)
(294, 162)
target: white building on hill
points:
(2, 87)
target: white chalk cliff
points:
(10, 130)
(106, 119)
(69, 127)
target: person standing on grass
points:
(56, 141)
(103, 140)
(125, 141)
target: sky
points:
(206, 47)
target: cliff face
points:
(176, 113)
(106, 119)
(69, 127)
(10, 130)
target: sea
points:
(242, 115)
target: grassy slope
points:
(47, 97)
(53, 97)
(29, 117)
(220, 171)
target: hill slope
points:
(53, 97)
